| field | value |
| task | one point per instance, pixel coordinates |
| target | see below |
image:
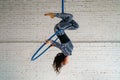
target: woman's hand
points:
(48, 41)
(52, 15)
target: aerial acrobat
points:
(65, 45)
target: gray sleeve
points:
(65, 16)
(56, 44)
(65, 49)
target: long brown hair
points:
(57, 63)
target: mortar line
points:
(72, 41)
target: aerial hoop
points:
(34, 57)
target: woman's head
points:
(59, 60)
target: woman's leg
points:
(74, 25)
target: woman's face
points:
(66, 60)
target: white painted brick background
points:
(23, 26)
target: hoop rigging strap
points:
(62, 6)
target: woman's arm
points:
(56, 44)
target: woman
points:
(67, 23)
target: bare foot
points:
(52, 15)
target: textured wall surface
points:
(23, 28)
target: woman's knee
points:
(75, 24)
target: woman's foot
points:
(52, 15)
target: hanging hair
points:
(57, 63)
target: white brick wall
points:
(97, 42)
(90, 61)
